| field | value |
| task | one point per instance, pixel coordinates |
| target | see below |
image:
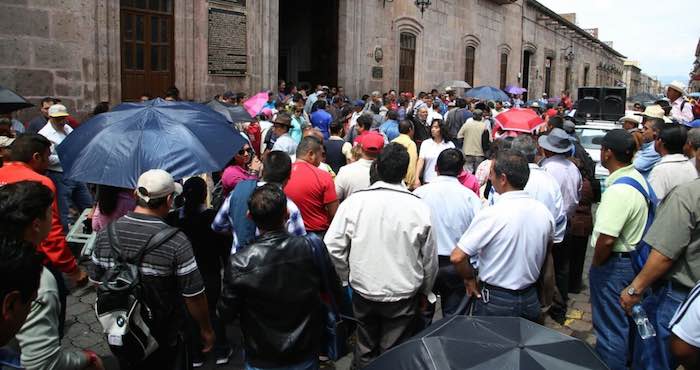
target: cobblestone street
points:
(83, 330)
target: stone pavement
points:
(84, 332)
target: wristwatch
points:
(631, 291)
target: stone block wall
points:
(47, 48)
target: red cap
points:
(552, 112)
(371, 142)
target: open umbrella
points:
(461, 342)
(255, 103)
(518, 119)
(116, 147)
(486, 93)
(455, 84)
(515, 90)
(232, 113)
(10, 101)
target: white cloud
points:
(662, 36)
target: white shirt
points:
(352, 177)
(670, 171)
(510, 238)
(381, 242)
(429, 152)
(543, 187)
(56, 138)
(433, 114)
(452, 209)
(286, 144)
(684, 116)
(686, 321)
(569, 179)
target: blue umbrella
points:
(487, 93)
(115, 148)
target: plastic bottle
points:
(644, 327)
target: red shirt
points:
(311, 189)
(54, 246)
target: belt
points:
(511, 291)
(620, 254)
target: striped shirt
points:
(171, 267)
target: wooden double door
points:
(147, 49)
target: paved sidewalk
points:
(83, 330)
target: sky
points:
(661, 35)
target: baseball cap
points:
(371, 142)
(58, 110)
(619, 141)
(551, 112)
(155, 184)
(359, 103)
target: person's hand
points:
(79, 277)
(472, 288)
(423, 299)
(208, 338)
(628, 301)
(95, 362)
(255, 164)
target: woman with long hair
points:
(211, 250)
(112, 202)
(243, 166)
(430, 150)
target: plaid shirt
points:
(222, 221)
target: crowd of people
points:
(363, 212)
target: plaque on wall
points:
(377, 73)
(227, 43)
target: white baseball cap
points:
(155, 184)
(58, 110)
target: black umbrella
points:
(233, 113)
(10, 101)
(462, 342)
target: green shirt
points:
(622, 212)
(676, 235)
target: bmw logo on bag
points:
(121, 321)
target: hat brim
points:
(681, 91)
(287, 124)
(542, 141)
(57, 115)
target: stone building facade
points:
(694, 83)
(632, 76)
(87, 51)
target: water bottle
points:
(644, 327)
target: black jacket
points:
(274, 285)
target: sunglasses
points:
(242, 151)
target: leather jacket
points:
(274, 286)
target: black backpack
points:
(126, 318)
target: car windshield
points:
(591, 138)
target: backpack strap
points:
(114, 241)
(155, 241)
(650, 198)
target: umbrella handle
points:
(465, 305)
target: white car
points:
(591, 134)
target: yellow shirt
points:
(622, 212)
(406, 141)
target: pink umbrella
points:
(255, 103)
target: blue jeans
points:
(613, 328)
(660, 306)
(306, 365)
(69, 192)
(497, 302)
